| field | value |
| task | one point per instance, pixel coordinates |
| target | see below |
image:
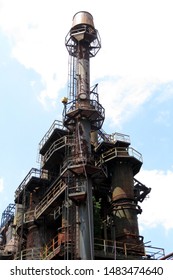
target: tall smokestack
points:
(82, 116)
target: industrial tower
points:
(83, 202)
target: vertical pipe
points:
(83, 128)
(83, 70)
(80, 45)
(124, 207)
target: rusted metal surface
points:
(124, 206)
(83, 201)
(168, 257)
(82, 17)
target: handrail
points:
(55, 124)
(27, 217)
(29, 254)
(154, 252)
(56, 244)
(58, 144)
(34, 172)
(51, 196)
(51, 247)
(114, 137)
(135, 154)
(103, 246)
(92, 102)
(168, 257)
(111, 246)
(77, 189)
(118, 152)
(57, 212)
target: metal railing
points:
(102, 247)
(58, 187)
(71, 162)
(135, 154)
(57, 244)
(55, 124)
(8, 214)
(117, 248)
(167, 257)
(52, 248)
(34, 172)
(57, 145)
(154, 253)
(29, 254)
(29, 216)
(120, 137)
(24, 218)
(91, 105)
(112, 138)
(77, 190)
(118, 152)
(57, 212)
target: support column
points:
(125, 209)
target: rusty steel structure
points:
(83, 202)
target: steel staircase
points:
(50, 197)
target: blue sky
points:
(134, 69)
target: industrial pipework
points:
(83, 202)
(83, 116)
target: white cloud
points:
(136, 39)
(37, 31)
(1, 184)
(136, 43)
(122, 97)
(158, 208)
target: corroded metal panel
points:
(83, 17)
